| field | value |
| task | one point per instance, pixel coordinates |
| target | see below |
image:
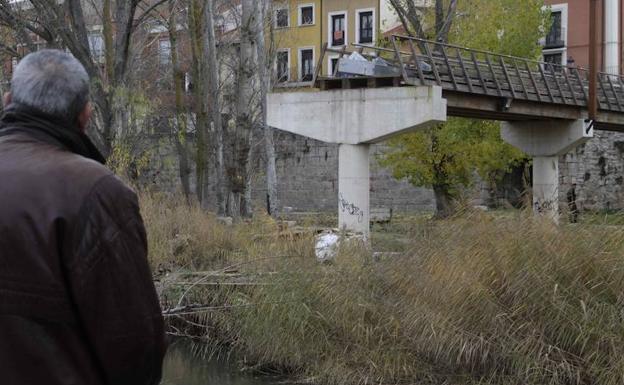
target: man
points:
(77, 302)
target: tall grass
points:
(474, 300)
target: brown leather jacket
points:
(77, 301)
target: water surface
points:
(183, 367)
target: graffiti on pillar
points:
(545, 205)
(351, 209)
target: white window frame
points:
(330, 26)
(329, 63)
(300, 62)
(287, 50)
(563, 8)
(357, 25)
(300, 14)
(96, 32)
(164, 60)
(281, 8)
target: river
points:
(182, 367)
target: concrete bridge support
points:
(354, 187)
(545, 141)
(354, 119)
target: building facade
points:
(593, 172)
(347, 23)
(296, 26)
(301, 28)
(568, 38)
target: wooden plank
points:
(319, 65)
(604, 91)
(617, 98)
(541, 70)
(434, 66)
(567, 79)
(417, 62)
(524, 89)
(578, 77)
(476, 64)
(511, 86)
(450, 69)
(489, 63)
(463, 67)
(554, 74)
(397, 53)
(539, 96)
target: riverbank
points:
(478, 299)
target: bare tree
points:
(264, 72)
(64, 25)
(412, 18)
(180, 121)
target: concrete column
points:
(546, 186)
(545, 141)
(354, 188)
(612, 36)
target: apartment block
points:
(568, 39)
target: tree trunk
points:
(244, 119)
(179, 122)
(444, 201)
(265, 87)
(214, 100)
(196, 24)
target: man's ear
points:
(7, 98)
(84, 117)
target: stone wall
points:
(597, 169)
(307, 172)
(308, 176)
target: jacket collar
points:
(48, 128)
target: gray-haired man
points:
(77, 302)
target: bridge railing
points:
(423, 62)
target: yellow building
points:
(301, 27)
(297, 31)
(347, 22)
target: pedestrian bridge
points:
(375, 93)
(483, 85)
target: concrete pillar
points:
(354, 188)
(612, 36)
(546, 186)
(545, 141)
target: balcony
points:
(555, 38)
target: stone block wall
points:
(308, 175)
(597, 169)
(307, 172)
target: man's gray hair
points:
(51, 81)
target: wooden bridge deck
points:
(485, 85)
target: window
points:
(306, 61)
(96, 46)
(164, 52)
(555, 39)
(306, 15)
(281, 18)
(365, 27)
(554, 58)
(283, 66)
(338, 29)
(333, 66)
